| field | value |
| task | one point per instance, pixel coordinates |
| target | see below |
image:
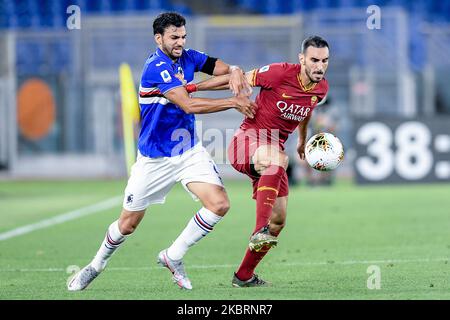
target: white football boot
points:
(82, 278)
(176, 267)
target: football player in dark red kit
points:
(289, 93)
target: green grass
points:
(332, 236)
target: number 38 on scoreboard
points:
(402, 151)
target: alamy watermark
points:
(74, 20)
(73, 269)
(374, 280)
(227, 146)
(374, 20)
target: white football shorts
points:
(151, 179)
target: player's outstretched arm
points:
(214, 83)
(218, 83)
(180, 97)
(237, 82)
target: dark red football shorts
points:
(240, 152)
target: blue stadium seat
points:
(92, 6)
(302, 6)
(26, 63)
(271, 6)
(141, 5)
(333, 3)
(347, 4)
(61, 54)
(5, 14)
(446, 10)
(23, 13)
(322, 4)
(159, 4)
(251, 5)
(44, 12)
(51, 13)
(417, 50)
(180, 8)
(115, 6)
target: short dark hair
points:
(167, 19)
(314, 41)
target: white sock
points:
(110, 244)
(198, 227)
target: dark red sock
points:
(249, 263)
(266, 195)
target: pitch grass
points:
(332, 236)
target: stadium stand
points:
(50, 13)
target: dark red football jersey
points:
(283, 102)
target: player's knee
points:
(129, 220)
(220, 207)
(127, 227)
(279, 159)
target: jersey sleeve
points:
(199, 58)
(268, 76)
(161, 77)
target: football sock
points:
(266, 195)
(110, 244)
(251, 261)
(198, 227)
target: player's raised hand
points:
(245, 106)
(238, 82)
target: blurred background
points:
(389, 75)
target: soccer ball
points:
(324, 152)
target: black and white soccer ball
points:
(324, 151)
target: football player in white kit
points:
(169, 150)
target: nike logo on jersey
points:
(284, 95)
(160, 64)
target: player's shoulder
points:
(294, 67)
(291, 69)
(155, 68)
(276, 66)
(191, 56)
(192, 52)
(155, 62)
